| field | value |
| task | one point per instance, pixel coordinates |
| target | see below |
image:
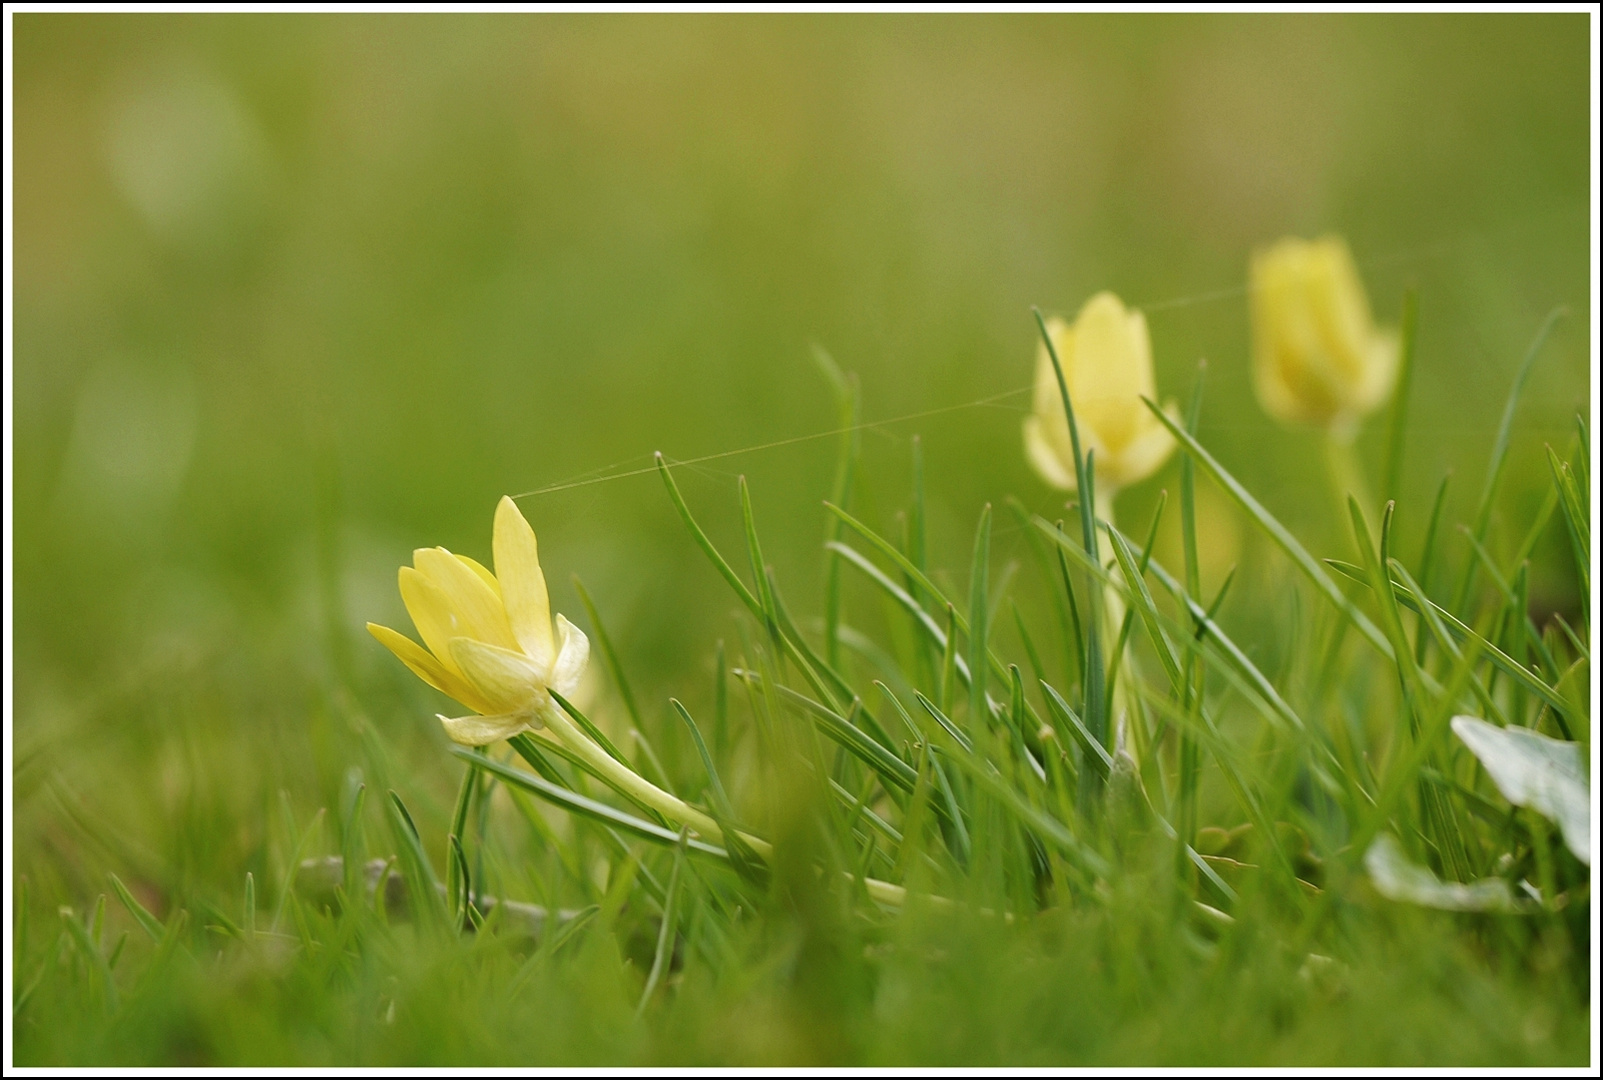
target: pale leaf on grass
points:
(1396, 877)
(1538, 773)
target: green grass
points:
(881, 649)
(1095, 931)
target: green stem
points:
(1346, 471)
(1112, 620)
(563, 730)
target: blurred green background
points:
(296, 294)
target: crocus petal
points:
(484, 730)
(1043, 455)
(431, 614)
(1380, 374)
(426, 667)
(572, 654)
(1147, 452)
(483, 572)
(1112, 369)
(478, 611)
(517, 566)
(1107, 366)
(1317, 356)
(506, 678)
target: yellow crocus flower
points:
(491, 645)
(1318, 357)
(489, 637)
(1107, 364)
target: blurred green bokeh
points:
(294, 295)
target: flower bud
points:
(1107, 365)
(1318, 357)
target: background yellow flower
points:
(1318, 357)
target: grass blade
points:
(352, 848)
(1427, 555)
(940, 718)
(848, 404)
(905, 599)
(1085, 480)
(978, 613)
(718, 562)
(147, 922)
(596, 734)
(719, 798)
(1037, 821)
(248, 928)
(583, 806)
(459, 884)
(1237, 661)
(1416, 601)
(858, 742)
(668, 930)
(1136, 586)
(1390, 618)
(1577, 524)
(1082, 466)
(754, 551)
(92, 956)
(608, 654)
(1494, 467)
(1099, 754)
(427, 902)
(455, 869)
(1502, 660)
(1275, 531)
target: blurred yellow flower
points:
(490, 640)
(1318, 357)
(1107, 364)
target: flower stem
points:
(671, 806)
(1113, 610)
(1346, 472)
(636, 786)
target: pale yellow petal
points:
(1380, 372)
(1285, 336)
(1269, 382)
(426, 667)
(431, 614)
(483, 730)
(505, 678)
(1146, 453)
(1044, 456)
(573, 651)
(1351, 327)
(1112, 369)
(478, 611)
(483, 572)
(1048, 443)
(1317, 356)
(517, 567)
